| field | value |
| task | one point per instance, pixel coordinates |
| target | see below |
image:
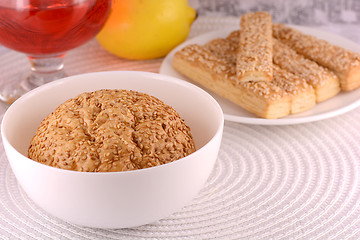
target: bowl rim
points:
(159, 76)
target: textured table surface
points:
(270, 182)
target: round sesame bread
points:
(111, 130)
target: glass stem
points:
(44, 69)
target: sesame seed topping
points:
(254, 58)
(339, 60)
(111, 130)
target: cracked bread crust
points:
(111, 130)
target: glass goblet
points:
(44, 30)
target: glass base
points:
(44, 69)
(35, 80)
(9, 94)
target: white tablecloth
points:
(270, 182)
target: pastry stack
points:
(271, 70)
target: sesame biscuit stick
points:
(302, 94)
(344, 63)
(324, 81)
(264, 99)
(254, 58)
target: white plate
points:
(341, 103)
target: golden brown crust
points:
(254, 59)
(213, 66)
(219, 75)
(111, 130)
(305, 70)
(344, 63)
(301, 93)
(325, 82)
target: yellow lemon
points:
(146, 29)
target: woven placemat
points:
(269, 182)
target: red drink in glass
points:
(44, 30)
(40, 28)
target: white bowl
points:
(115, 199)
